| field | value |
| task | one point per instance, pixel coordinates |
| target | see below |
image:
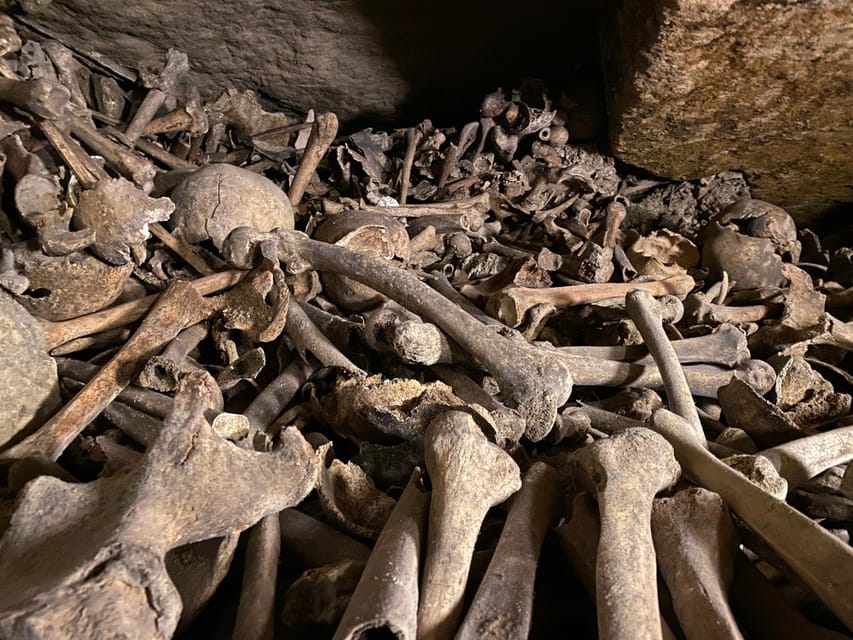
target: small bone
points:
(322, 135)
(469, 476)
(726, 346)
(390, 328)
(414, 135)
(646, 315)
(821, 560)
(760, 472)
(272, 400)
(699, 311)
(162, 372)
(503, 605)
(386, 598)
(695, 542)
(511, 305)
(625, 472)
(533, 380)
(765, 423)
(804, 458)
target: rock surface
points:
(29, 387)
(372, 60)
(764, 86)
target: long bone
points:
(503, 604)
(386, 598)
(696, 543)
(178, 307)
(578, 539)
(625, 472)
(511, 305)
(533, 380)
(802, 459)
(703, 380)
(646, 315)
(469, 476)
(820, 559)
(727, 346)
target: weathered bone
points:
(255, 613)
(58, 333)
(645, 313)
(820, 559)
(726, 346)
(94, 560)
(503, 605)
(510, 306)
(802, 459)
(695, 542)
(386, 598)
(469, 476)
(533, 380)
(579, 538)
(322, 135)
(625, 472)
(179, 307)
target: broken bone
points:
(625, 472)
(94, 562)
(322, 135)
(695, 541)
(469, 476)
(386, 598)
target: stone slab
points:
(765, 86)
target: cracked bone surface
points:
(503, 604)
(469, 476)
(695, 542)
(533, 380)
(625, 472)
(91, 565)
(820, 559)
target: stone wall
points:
(693, 86)
(698, 86)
